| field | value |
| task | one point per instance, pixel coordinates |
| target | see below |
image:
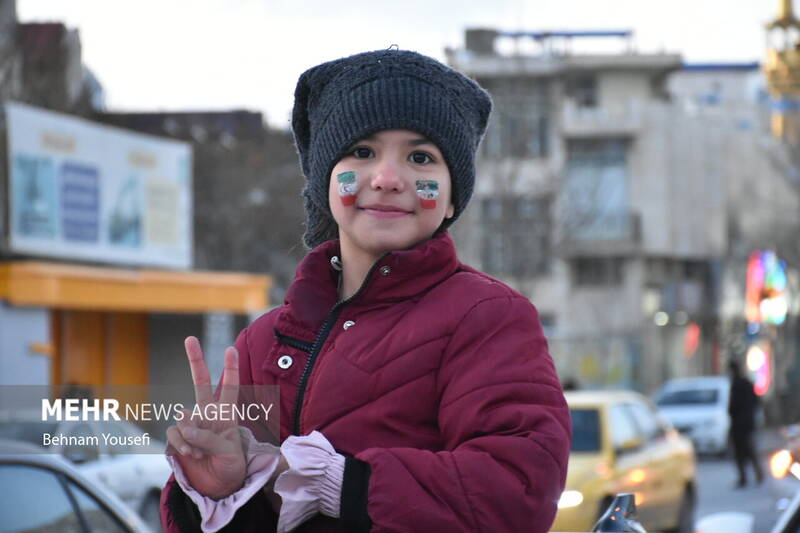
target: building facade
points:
(616, 191)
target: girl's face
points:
(390, 192)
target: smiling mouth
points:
(384, 211)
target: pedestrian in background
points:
(416, 393)
(742, 407)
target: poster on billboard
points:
(82, 190)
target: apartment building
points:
(612, 190)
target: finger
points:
(230, 377)
(176, 440)
(206, 441)
(200, 375)
(186, 419)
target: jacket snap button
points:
(285, 361)
(347, 324)
(386, 270)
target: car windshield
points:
(585, 430)
(690, 397)
(26, 431)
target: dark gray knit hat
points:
(340, 102)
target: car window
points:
(585, 430)
(33, 499)
(689, 397)
(623, 428)
(646, 420)
(97, 517)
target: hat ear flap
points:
(320, 225)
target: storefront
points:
(62, 323)
(97, 279)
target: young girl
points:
(416, 394)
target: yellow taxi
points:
(620, 444)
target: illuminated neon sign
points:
(765, 294)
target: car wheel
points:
(151, 512)
(685, 518)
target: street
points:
(716, 479)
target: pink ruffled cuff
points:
(313, 482)
(262, 460)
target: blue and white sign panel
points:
(82, 190)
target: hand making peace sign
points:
(210, 451)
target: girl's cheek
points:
(348, 187)
(428, 193)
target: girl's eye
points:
(421, 158)
(361, 152)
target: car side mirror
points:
(630, 445)
(620, 516)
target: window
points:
(596, 191)
(646, 420)
(690, 397)
(585, 430)
(597, 271)
(97, 517)
(583, 90)
(623, 428)
(519, 125)
(33, 499)
(516, 235)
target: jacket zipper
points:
(294, 343)
(322, 336)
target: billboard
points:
(82, 190)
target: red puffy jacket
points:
(433, 379)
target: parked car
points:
(43, 492)
(698, 408)
(621, 445)
(136, 478)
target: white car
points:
(136, 475)
(698, 408)
(43, 492)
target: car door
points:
(632, 472)
(666, 484)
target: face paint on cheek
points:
(348, 188)
(428, 192)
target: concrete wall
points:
(20, 327)
(618, 89)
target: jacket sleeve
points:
(506, 428)
(179, 514)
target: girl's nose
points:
(386, 177)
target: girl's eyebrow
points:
(419, 141)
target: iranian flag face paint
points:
(428, 192)
(348, 188)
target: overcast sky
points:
(223, 54)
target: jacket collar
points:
(398, 275)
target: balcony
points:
(624, 120)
